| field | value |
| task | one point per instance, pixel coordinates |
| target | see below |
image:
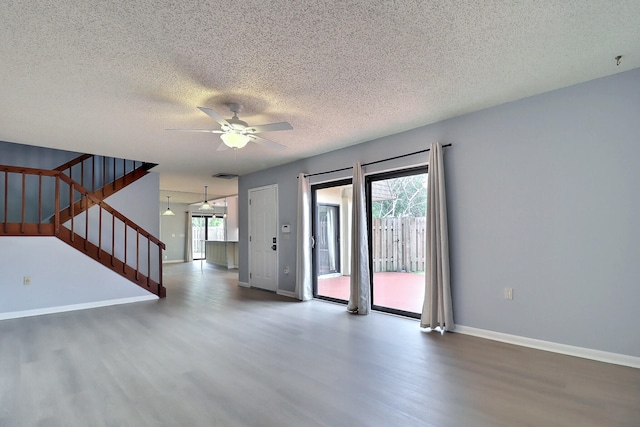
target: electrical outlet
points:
(286, 270)
(508, 293)
(26, 280)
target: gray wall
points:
(33, 157)
(173, 231)
(542, 197)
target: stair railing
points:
(99, 231)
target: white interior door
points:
(263, 232)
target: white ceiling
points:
(108, 77)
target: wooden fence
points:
(399, 244)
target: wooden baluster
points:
(113, 237)
(137, 252)
(82, 173)
(6, 199)
(71, 213)
(86, 219)
(104, 174)
(100, 230)
(23, 201)
(113, 185)
(124, 264)
(148, 260)
(57, 208)
(159, 270)
(70, 199)
(39, 202)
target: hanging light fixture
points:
(168, 211)
(205, 205)
(224, 215)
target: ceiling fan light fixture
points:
(234, 140)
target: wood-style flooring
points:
(215, 354)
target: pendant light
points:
(168, 211)
(224, 215)
(205, 205)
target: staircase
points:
(38, 202)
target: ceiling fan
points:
(236, 133)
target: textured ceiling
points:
(109, 77)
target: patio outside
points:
(400, 291)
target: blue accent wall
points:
(543, 198)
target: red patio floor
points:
(402, 291)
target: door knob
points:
(273, 247)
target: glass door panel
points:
(198, 236)
(203, 228)
(328, 239)
(331, 231)
(397, 227)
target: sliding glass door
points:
(397, 208)
(203, 228)
(331, 219)
(198, 236)
(397, 205)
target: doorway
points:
(203, 228)
(396, 221)
(397, 218)
(331, 228)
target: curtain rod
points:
(373, 163)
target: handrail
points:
(71, 163)
(29, 171)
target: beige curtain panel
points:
(437, 310)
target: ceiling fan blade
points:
(197, 130)
(271, 127)
(265, 142)
(215, 116)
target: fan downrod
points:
(235, 108)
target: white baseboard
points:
(286, 294)
(244, 284)
(73, 307)
(570, 350)
(173, 261)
